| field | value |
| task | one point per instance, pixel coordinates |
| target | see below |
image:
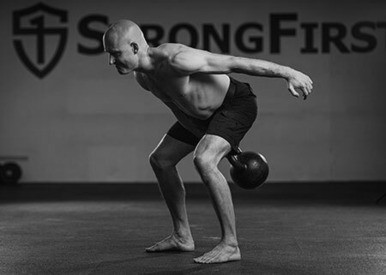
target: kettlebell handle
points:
(233, 158)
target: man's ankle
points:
(230, 242)
(184, 235)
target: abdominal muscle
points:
(197, 95)
(202, 96)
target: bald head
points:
(125, 31)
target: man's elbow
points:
(221, 64)
(233, 64)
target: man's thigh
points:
(212, 147)
(172, 150)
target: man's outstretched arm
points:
(189, 61)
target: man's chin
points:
(122, 71)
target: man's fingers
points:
(305, 88)
(306, 92)
(293, 91)
(309, 86)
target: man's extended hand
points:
(299, 81)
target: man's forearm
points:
(259, 67)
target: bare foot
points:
(220, 254)
(172, 243)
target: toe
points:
(203, 259)
(150, 249)
(198, 260)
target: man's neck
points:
(145, 64)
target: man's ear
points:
(135, 47)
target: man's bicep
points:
(187, 62)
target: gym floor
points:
(283, 228)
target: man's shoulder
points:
(172, 47)
(168, 50)
(163, 56)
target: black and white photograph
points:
(193, 137)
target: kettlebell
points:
(248, 170)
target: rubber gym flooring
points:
(283, 228)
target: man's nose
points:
(111, 60)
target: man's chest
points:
(164, 87)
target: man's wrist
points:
(286, 72)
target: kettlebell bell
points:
(248, 170)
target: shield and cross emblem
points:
(40, 37)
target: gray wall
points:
(84, 122)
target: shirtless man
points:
(213, 111)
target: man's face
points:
(121, 54)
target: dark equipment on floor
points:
(248, 170)
(10, 173)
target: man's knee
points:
(204, 162)
(209, 152)
(161, 160)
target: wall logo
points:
(32, 22)
(41, 34)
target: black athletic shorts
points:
(231, 120)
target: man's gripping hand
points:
(298, 81)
